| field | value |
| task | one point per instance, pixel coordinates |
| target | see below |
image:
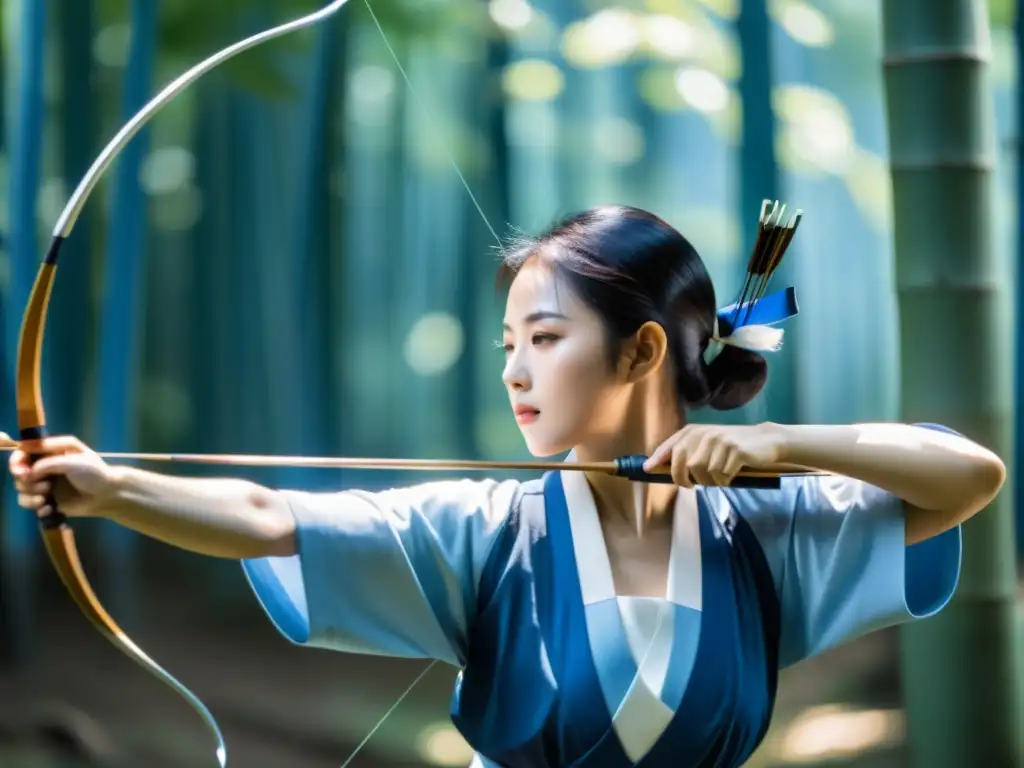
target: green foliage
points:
(191, 30)
(1002, 13)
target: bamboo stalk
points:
(120, 340)
(759, 179)
(24, 146)
(959, 669)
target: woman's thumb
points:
(53, 466)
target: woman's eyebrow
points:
(534, 317)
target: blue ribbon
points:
(768, 310)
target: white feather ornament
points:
(756, 338)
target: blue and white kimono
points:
(511, 583)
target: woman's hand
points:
(710, 454)
(78, 478)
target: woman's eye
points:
(537, 339)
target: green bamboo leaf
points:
(1002, 13)
(191, 30)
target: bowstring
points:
(432, 124)
(388, 714)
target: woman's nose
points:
(515, 376)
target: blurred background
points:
(287, 260)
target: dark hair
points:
(631, 267)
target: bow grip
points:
(632, 468)
(56, 518)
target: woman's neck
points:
(643, 427)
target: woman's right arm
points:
(393, 572)
(220, 517)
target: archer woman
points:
(596, 622)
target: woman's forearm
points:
(228, 518)
(927, 468)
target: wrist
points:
(781, 438)
(111, 491)
(807, 445)
(787, 439)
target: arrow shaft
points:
(340, 462)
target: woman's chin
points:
(542, 449)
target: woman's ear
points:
(644, 353)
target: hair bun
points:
(735, 377)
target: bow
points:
(58, 537)
(57, 534)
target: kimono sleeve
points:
(838, 554)
(391, 573)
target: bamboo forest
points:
(293, 252)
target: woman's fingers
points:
(732, 467)
(698, 458)
(55, 466)
(55, 453)
(38, 488)
(18, 463)
(31, 501)
(660, 454)
(717, 463)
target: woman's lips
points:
(525, 414)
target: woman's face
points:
(560, 383)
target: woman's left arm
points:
(943, 478)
